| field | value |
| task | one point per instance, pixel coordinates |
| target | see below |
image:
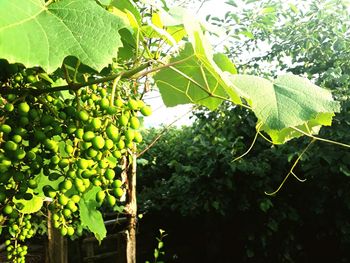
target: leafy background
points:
(189, 185)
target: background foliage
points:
(189, 175)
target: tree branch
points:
(75, 86)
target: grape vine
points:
(79, 139)
(71, 107)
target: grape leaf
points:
(289, 101)
(30, 206)
(43, 180)
(224, 63)
(90, 216)
(193, 76)
(38, 35)
(127, 5)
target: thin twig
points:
(156, 138)
(252, 144)
(321, 139)
(291, 172)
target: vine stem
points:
(164, 65)
(114, 87)
(322, 139)
(291, 172)
(77, 86)
(252, 144)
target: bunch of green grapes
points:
(20, 229)
(78, 140)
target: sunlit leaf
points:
(45, 35)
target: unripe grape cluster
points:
(77, 140)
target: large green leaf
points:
(90, 216)
(194, 77)
(38, 35)
(290, 101)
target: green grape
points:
(121, 145)
(83, 164)
(110, 199)
(118, 192)
(10, 146)
(83, 115)
(132, 104)
(109, 144)
(112, 132)
(98, 142)
(117, 183)
(31, 78)
(146, 110)
(100, 196)
(117, 154)
(20, 154)
(79, 133)
(119, 102)
(66, 213)
(17, 138)
(63, 163)
(70, 231)
(66, 185)
(134, 123)
(138, 137)
(23, 108)
(75, 198)
(129, 135)
(2, 197)
(96, 124)
(8, 209)
(123, 120)
(63, 200)
(88, 136)
(55, 159)
(69, 149)
(39, 135)
(111, 110)
(71, 128)
(109, 174)
(49, 191)
(103, 164)
(5, 128)
(63, 231)
(23, 121)
(32, 184)
(91, 152)
(104, 104)
(71, 206)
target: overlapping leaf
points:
(287, 103)
(90, 216)
(38, 35)
(30, 206)
(194, 77)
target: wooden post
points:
(56, 249)
(132, 210)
